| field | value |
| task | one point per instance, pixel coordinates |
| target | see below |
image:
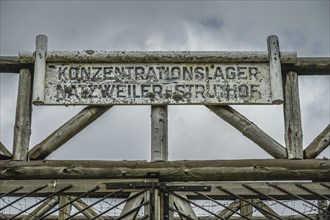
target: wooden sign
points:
(156, 77)
(103, 84)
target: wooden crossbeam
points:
(131, 204)
(227, 213)
(4, 153)
(67, 131)
(42, 209)
(292, 117)
(207, 170)
(80, 205)
(22, 130)
(250, 130)
(319, 144)
(264, 206)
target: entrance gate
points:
(293, 185)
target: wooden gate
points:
(293, 185)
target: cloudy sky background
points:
(194, 131)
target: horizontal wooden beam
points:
(157, 56)
(10, 64)
(309, 66)
(250, 130)
(4, 153)
(319, 144)
(67, 131)
(207, 170)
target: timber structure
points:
(295, 180)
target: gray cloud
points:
(195, 132)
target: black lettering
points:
(230, 72)
(134, 92)
(60, 93)
(96, 76)
(207, 73)
(73, 73)
(243, 91)
(218, 73)
(187, 73)
(175, 72)
(231, 92)
(199, 75)
(139, 72)
(200, 89)
(85, 73)
(61, 73)
(151, 73)
(241, 73)
(120, 91)
(253, 71)
(255, 93)
(144, 90)
(107, 71)
(157, 90)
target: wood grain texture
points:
(4, 153)
(319, 144)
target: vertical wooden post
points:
(40, 70)
(275, 69)
(246, 208)
(22, 130)
(292, 117)
(64, 212)
(159, 140)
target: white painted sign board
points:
(157, 83)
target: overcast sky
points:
(194, 131)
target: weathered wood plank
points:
(264, 206)
(309, 66)
(292, 117)
(319, 144)
(39, 70)
(67, 131)
(10, 64)
(81, 206)
(22, 131)
(66, 210)
(131, 204)
(184, 207)
(159, 131)
(250, 130)
(246, 208)
(226, 213)
(275, 69)
(91, 56)
(210, 170)
(4, 153)
(42, 209)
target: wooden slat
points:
(319, 144)
(89, 213)
(264, 206)
(66, 132)
(66, 210)
(309, 66)
(292, 117)
(4, 153)
(42, 209)
(10, 64)
(209, 170)
(226, 213)
(22, 129)
(159, 137)
(131, 204)
(250, 130)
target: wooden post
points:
(250, 130)
(184, 207)
(265, 207)
(292, 117)
(275, 69)
(319, 144)
(131, 204)
(89, 213)
(226, 213)
(40, 70)
(159, 139)
(22, 129)
(42, 209)
(246, 208)
(66, 210)
(4, 153)
(66, 131)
